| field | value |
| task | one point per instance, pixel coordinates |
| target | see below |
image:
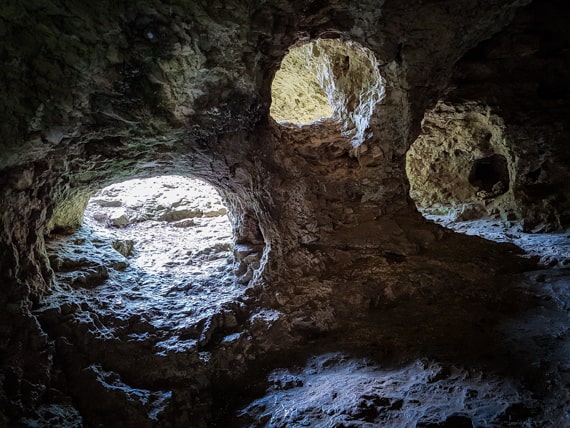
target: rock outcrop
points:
(506, 99)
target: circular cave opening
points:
(328, 78)
(153, 261)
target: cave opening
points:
(297, 93)
(163, 222)
(462, 176)
(154, 252)
(328, 79)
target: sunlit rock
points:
(328, 79)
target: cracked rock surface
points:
(335, 389)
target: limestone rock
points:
(328, 78)
(330, 249)
(471, 212)
(119, 218)
(101, 390)
(125, 247)
(354, 391)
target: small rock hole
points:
(490, 174)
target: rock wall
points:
(445, 163)
(296, 95)
(96, 93)
(503, 101)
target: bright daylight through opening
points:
(297, 92)
(164, 223)
(328, 78)
(156, 253)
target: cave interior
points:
(360, 214)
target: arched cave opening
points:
(156, 253)
(328, 78)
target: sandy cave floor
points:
(457, 363)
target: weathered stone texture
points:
(325, 230)
(507, 98)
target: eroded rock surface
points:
(330, 252)
(335, 389)
(502, 103)
(328, 78)
(140, 294)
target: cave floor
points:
(552, 248)
(151, 266)
(492, 357)
(449, 361)
(140, 343)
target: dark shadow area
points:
(472, 356)
(463, 350)
(481, 340)
(490, 174)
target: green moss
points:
(68, 213)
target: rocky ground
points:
(156, 250)
(146, 309)
(472, 360)
(553, 248)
